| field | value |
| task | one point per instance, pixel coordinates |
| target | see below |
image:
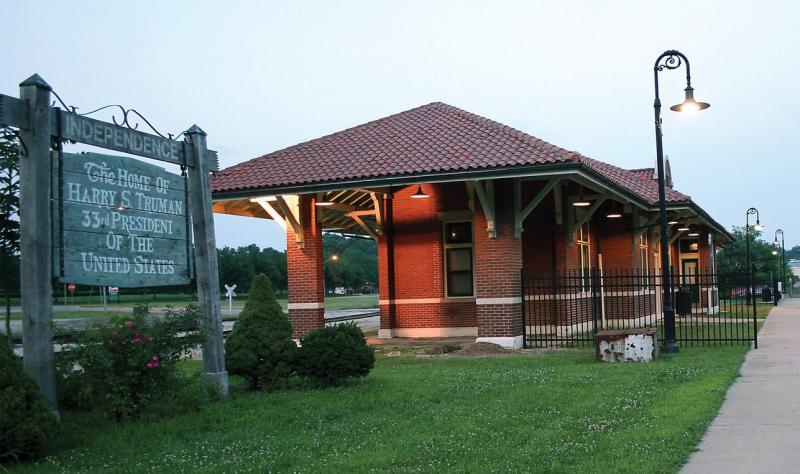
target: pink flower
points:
(155, 358)
(149, 365)
(128, 324)
(115, 334)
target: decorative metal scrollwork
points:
(127, 114)
(127, 120)
(670, 60)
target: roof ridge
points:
(529, 139)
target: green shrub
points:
(260, 347)
(330, 355)
(25, 421)
(123, 366)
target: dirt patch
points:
(481, 349)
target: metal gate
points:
(566, 309)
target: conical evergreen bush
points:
(260, 347)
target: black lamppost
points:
(783, 260)
(758, 227)
(669, 60)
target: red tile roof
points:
(433, 139)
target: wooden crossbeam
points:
(377, 202)
(559, 203)
(584, 218)
(470, 195)
(363, 225)
(267, 206)
(292, 214)
(521, 214)
(485, 193)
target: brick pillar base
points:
(498, 265)
(304, 271)
(305, 320)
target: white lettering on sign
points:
(103, 134)
(128, 220)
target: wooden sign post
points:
(35, 234)
(109, 220)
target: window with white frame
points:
(643, 258)
(458, 262)
(582, 240)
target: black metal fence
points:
(566, 309)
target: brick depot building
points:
(459, 206)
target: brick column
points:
(386, 271)
(498, 263)
(304, 272)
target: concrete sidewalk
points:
(758, 427)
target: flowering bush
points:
(126, 364)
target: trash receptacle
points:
(766, 294)
(683, 303)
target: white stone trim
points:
(305, 306)
(460, 299)
(511, 300)
(428, 332)
(513, 342)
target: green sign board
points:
(95, 132)
(119, 222)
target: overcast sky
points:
(261, 76)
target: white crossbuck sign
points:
(229, 293)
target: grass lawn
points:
(555, 412)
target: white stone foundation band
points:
(512, 342)
(487, 301)
(305, 306)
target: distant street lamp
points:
(334, 258)
(669, 60)
(783, 260)
(758, 227)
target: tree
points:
(9, 219)
(260, 347)
(733, 257)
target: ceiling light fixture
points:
(420, 194)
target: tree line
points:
(348, 262)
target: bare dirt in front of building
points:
(444, 346)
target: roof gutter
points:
(543, 171)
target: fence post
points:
(595, 290)
(522, 294)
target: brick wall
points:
(416, 231)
